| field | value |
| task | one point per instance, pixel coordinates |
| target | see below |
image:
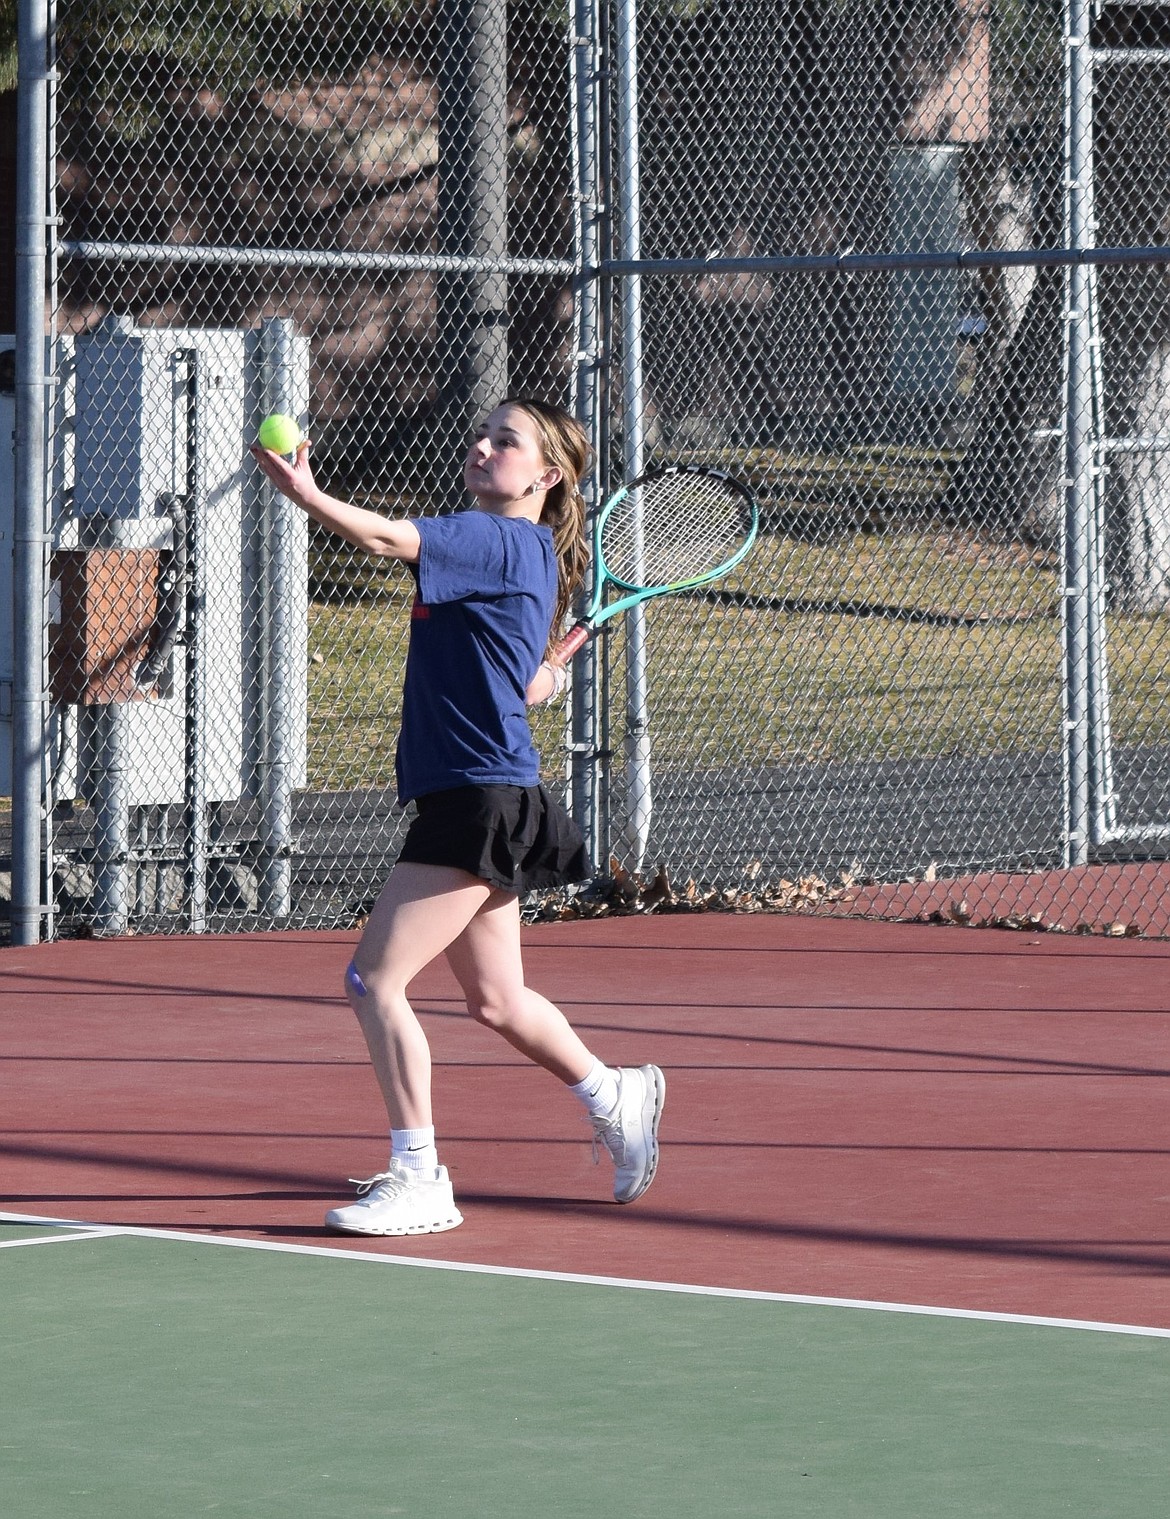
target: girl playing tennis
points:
(494, 587)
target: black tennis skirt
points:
(514, 837)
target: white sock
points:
(598, 1093)
(414, 1148)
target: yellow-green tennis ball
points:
(279, 433)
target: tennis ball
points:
(279, 433)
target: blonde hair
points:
(564, 445)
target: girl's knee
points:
(370, 1001)
(485, 1011)
(494, 1007)
(355, 987)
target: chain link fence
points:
(936, 688)
(830, 245)
(254, 220)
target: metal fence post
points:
(1082, 454)
(473, 214)
(639, 804)
(585, 62)
(30, 537)
(275, 553)
(1089, 400)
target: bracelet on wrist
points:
(560, 678)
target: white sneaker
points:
(400, 1201)
(630, 1131)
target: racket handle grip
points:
(575, 638)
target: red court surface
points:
(903, 1113)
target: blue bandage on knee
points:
(354, 981)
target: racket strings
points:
(674, 529)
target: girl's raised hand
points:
(293, 480)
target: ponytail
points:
(565, 446)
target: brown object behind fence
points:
(108, 601)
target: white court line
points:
(80, 1231)
(635, 1284)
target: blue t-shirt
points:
(478, 631)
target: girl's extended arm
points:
(364, 529)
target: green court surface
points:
(152, 1375)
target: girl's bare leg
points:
(486, 960)
(421, 910)
(487, 963)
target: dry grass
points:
(892, 645)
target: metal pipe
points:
(870, 263)
(141, 854)
(275, 553)
(1092, 815)
(763, 263)
(97, 251)
(1103, 799)
(111, 819)
(584, 77)
(473, 221)
(195, 843)
(162, 850)
(639, 800)
(1080, 481)
(1131, 55)
(30, 529)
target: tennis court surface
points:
(907, 1253)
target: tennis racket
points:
(675, 527)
